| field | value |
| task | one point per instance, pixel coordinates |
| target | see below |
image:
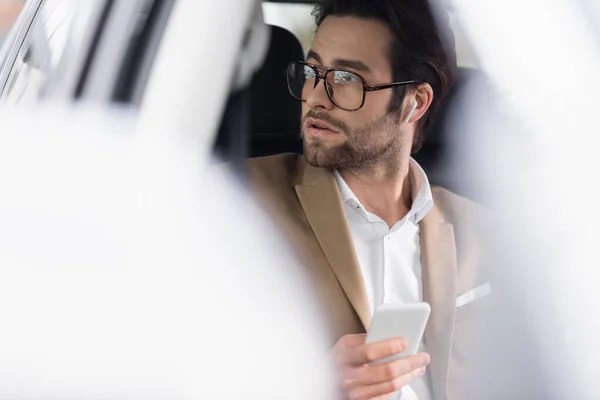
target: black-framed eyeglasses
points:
(346, 89)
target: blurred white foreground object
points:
(536, 144)
(130, 277)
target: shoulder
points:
(456, 209)
(283, 160)
(475, 230)
(285, 163)
(278, 170)
(473, 224)
(475, 238)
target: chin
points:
(320, 162)
(321, 158)
(322, 154)
(315, 156)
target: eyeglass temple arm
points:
(371, 88)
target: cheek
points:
(305, 108)
(364, 118)
(354, 123)
(377, 103)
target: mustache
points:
(323, 116)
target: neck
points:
(383, 191)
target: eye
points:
(341, 77)
(309, 73)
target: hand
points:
(360, 381)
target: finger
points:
(373, 374)
(385, 388)
(368, 353)
(351, 341)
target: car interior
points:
(263, 119)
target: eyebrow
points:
(340, 62)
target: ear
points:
(424, 96)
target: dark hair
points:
(422, 47)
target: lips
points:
(319, 125)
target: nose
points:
(317, 98)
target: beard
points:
(366, 147)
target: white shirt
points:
(390, 258)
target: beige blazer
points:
(307, 203)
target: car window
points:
(150, 20)
(40, 54)
(294, 17)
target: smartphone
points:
(406, 321)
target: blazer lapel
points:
(438, 256)
(319, 195)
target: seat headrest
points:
(274, 117)
(275, 114)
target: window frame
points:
(21, 34)
(18, 36)
(112, 57)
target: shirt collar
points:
(421, 189)
(422, 197)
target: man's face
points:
(370, 135)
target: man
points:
(361, 210)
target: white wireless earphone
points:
(413, 106)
